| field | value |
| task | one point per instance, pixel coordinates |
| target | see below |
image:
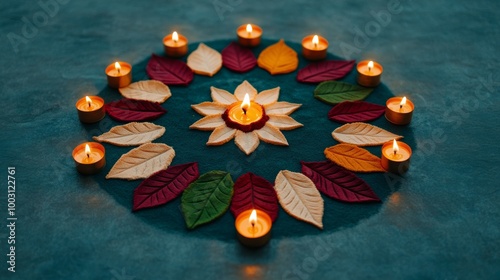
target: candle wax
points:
(395, 106)
(320, 46)
(374, 71)
(253, 113)
(94, 105)
(401, 155)
(114, 72)
(94, 156)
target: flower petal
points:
(221, 135)
(281, 108)
(209, 108)
(243, 88)
(246, 141)
(268, 96)
(271, 135)
(208, 123)
(222, 96)
(283, 122)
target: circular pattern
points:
(306, 143)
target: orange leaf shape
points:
(354, 158)
(278, 59)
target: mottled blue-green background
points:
(439, 222)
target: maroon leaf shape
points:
(318, 72)
(165, 185)
(131, 110)
(238, 58)
(338, 182)
(254, 192)
(169, 71)
(357, 111)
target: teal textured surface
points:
(441, 221)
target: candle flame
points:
(118, 67)
(246, 103)
(315, 41)
(370, 65)
(249, 28)
(87, 150)
(395, 147)
(403, 102)
(89, 101)
(253, 217)
(175, 37)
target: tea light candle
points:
(119, 74)
(89, 157)
(314, 47)
(399, 110)
(90, 109)
(245, 112)
(369, 73)
(175, 45)
(253, 228)
(396, 157)
(249, 35)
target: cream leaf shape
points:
(283, 122)
(205, 60)
(244, 88)
(281, 108)
(142, 162)
(131, 134)
(271, 135)
(221, 135)
(299, 197)
(209, 108)
(208, 123)
(222, 96)
(151, 90)
(268, 96)
(363, 134)
(247, 141)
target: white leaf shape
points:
(142, 161)
(281, 108)
(363, 134)
(283, 122)
(244, 88)
(151, 90)
(246, 141)
(209, 108)
(271, 135)
(131, 134)
(268, 96)
(205, 60)
(299, 197)
(221, 135)
(222, 96)
(208, 123)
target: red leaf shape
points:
(338, 182)
(131, 110)
(169, 71)
(318, 72)
(165, 185)
(238, 58)
(254, 192)
(357, 111)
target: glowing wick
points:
(245, 104)
(315, 41)
(395, 147)
(370, 66)
(87, 150)
(118, 67)
(249, 29)
(403, 102)
(175, 37)
(89, 101)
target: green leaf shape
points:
(334, 92)
(207, 198)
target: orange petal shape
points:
(354, 158)
(278, 59)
